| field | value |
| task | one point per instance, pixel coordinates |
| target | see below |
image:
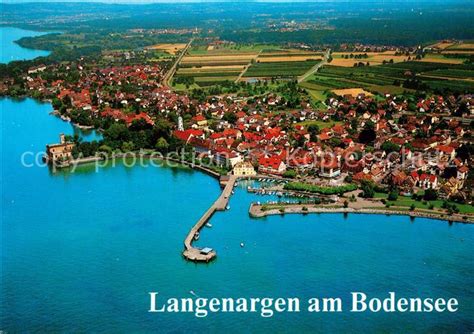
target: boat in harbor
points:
(196, 236)
(227, 207)
(208, 225)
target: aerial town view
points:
(294, 167)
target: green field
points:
(208, 74)
(280, 69)
(216, 62)
(381, 79)
(452, 73)
(233, 48)
(320, 124)
(284, 53)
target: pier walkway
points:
(197, 254)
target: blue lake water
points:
(80, 251)
(11, 51)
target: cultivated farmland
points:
(282, 69)
(348, 59)
(447, 46)
(351, 91)
(392, 78)
(206, 65)
(288, 55)
(171, 48)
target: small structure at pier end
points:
(60, 154)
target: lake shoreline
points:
(255, 211)
(15, 50)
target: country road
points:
(246, 67)
(316, 67)
(167, 78)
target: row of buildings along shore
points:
(409, 144)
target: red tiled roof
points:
(271, 162)
(199, 118)
(187, 134)
(445, 149)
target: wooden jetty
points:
(207, 254)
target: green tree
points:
(367, 136)
(289, 174)
(230, 117)
(127, 146)
(368, 189)
(106, 149)
(56, 103)
(117, 132)
(313, 129)
(162, 145)
(335, 142)
(393, 195)
(430, 195)
(389, 147)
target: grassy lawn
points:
(279, 69)
(317, 95)
(388, 89)
(182, 87)
(161, 54)
(257, 47)
(408, 201)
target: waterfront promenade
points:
(257, 211)
(197, 254)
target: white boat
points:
(227, 207)
(242, 245)
(196, 236)
(208, 225)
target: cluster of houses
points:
(409, 151)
